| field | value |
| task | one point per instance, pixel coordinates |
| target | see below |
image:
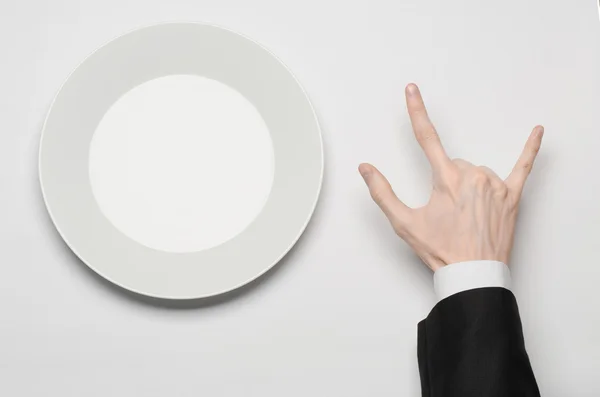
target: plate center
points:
(181, 163)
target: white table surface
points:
(338, 316)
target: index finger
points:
(423, 128)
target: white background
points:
(338, 316)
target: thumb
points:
(383, 194)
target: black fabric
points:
(471, 345)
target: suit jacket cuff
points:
(464, 276)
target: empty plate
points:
(181, 161)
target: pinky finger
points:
(517, 178)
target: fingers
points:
(424, 130)
(517, 178)
(383, 195)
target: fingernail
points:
(412, 89)
(539, 132)
(364, 171)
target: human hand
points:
(471, 213)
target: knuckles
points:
(428, 134)
(464, 175)
(380, 195)
(479, 175)
(479, 178)
(502, 190)
(377, 195)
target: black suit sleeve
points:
(471, 345)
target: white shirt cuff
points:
(463, 276)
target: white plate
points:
(148, 54)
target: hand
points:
(471, 213)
